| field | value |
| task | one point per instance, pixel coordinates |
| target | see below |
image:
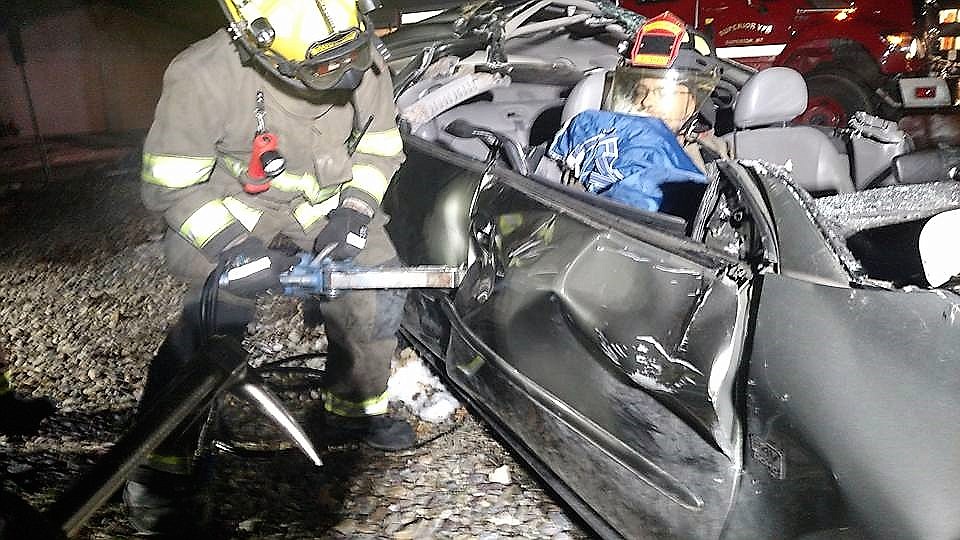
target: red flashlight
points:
(265, 163)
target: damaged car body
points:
(749, 362)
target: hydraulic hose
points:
(221, 364)
(208, 305)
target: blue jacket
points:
(624, 157)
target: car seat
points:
(586, 94)
(771, 98)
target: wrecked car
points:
(763, 357)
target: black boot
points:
(312, 312)
(381, 431)
(22, 416)
(166, 504)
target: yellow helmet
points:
(313, 45)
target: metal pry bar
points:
(331, 278)
(410, 277)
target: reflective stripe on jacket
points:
(375, 151)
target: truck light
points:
(925, 92)
(897, 39)
(906, 43)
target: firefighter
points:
(280, 126)
(670, 74)
(647, 133)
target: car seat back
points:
(771, 98)
(587, 94)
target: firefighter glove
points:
(346, 230)
(251, 269)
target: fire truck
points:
(888, 57)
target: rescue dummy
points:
(280, 129)
(648, 132)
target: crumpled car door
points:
(610, 348)
(429, 203)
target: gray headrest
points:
(772, 96)
(587, 94)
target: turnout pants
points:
(361, 331)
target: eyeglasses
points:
(642, 92)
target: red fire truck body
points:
(862, 55)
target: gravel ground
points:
(84, 302)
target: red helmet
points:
(670, 73)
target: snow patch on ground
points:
(421, 391)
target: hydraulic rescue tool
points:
(318, 275)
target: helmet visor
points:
(674, 95)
